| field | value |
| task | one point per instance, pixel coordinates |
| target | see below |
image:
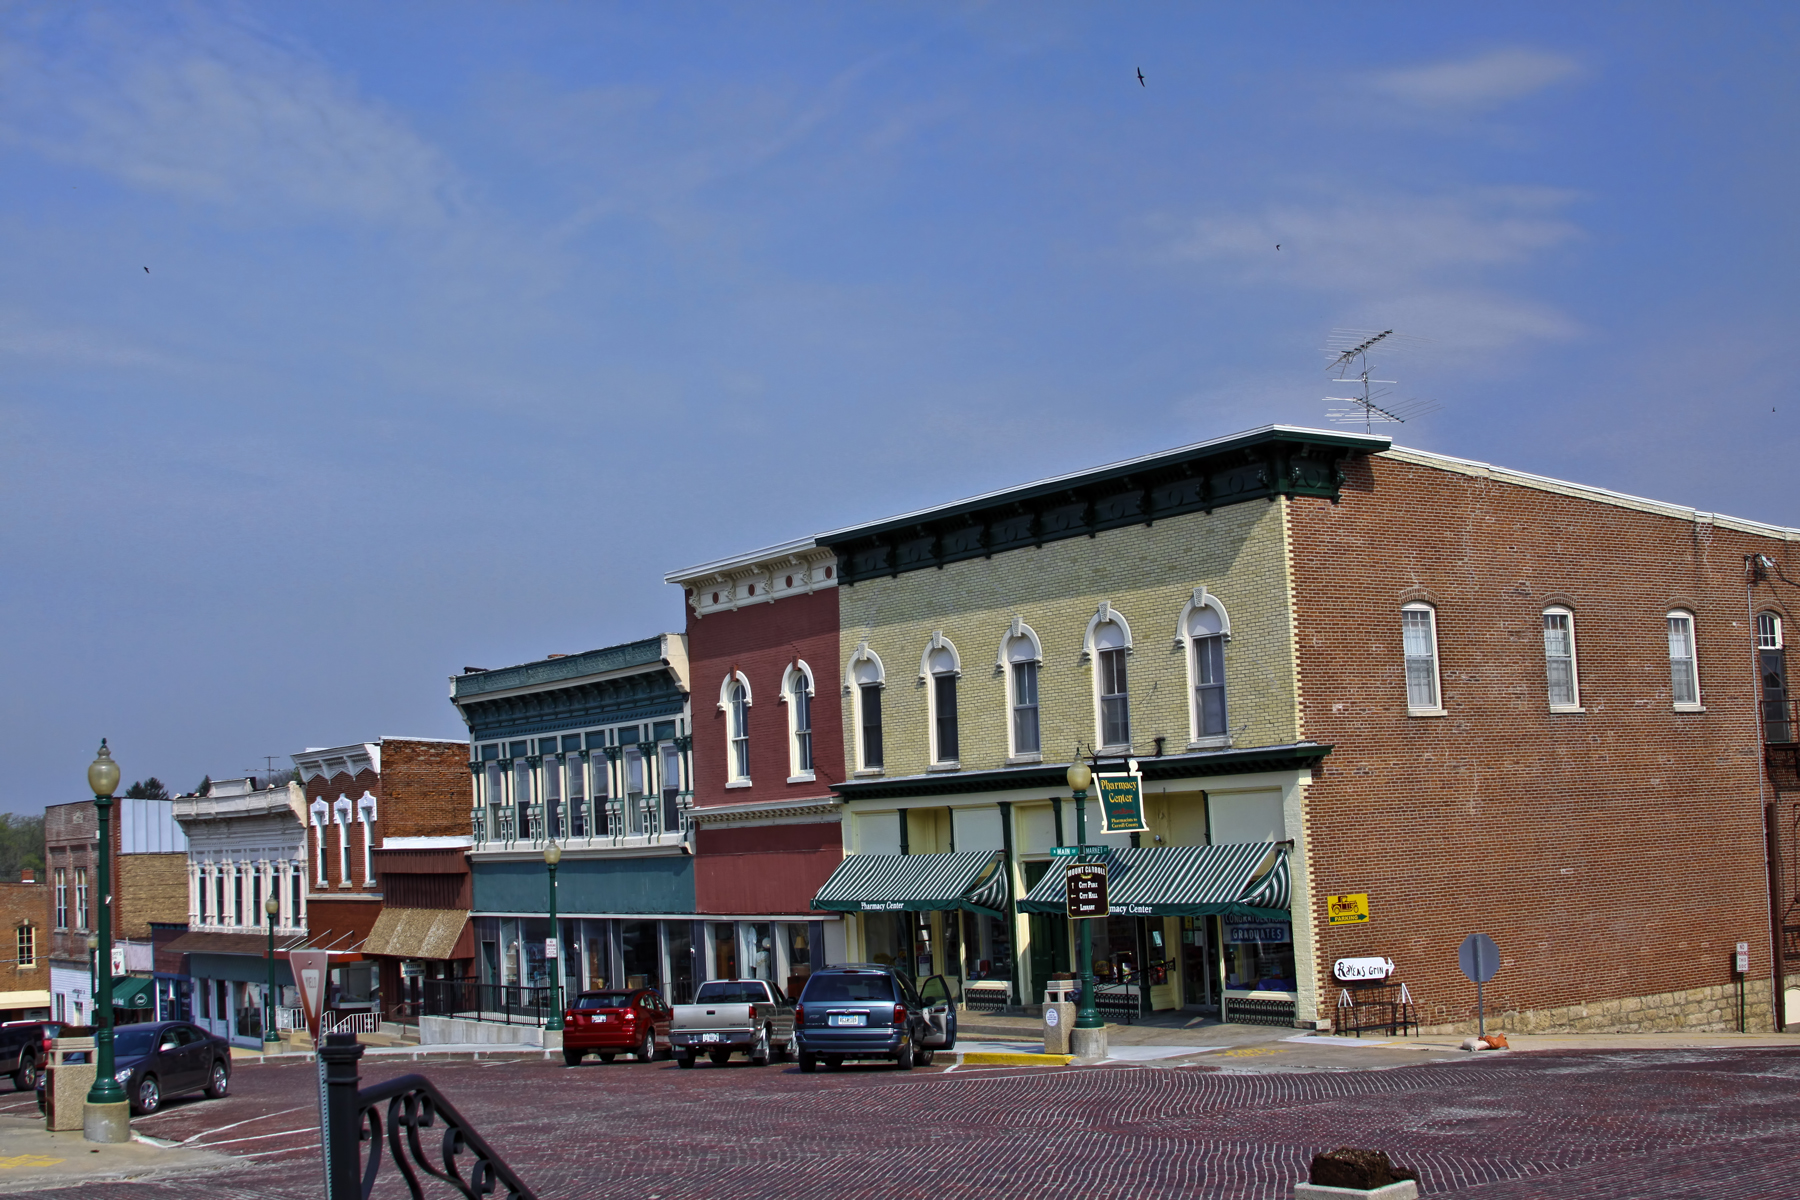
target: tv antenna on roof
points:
(1349, 350)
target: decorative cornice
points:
(761, 812)
(650, 653)
(794, 568)
(1294, 756)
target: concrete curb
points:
(999, 1058)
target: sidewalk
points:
(33, 1159)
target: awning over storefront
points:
(133, 991)
(417, 933)
(971, 879)
(12, 1000)
(1247, 880)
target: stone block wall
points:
(150, 887)
(1709, 1009)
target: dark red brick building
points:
(768, 745)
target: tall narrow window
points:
(800, 713)
(62, 897)
(943, 691)
(27, 947)
(866, 676)
(237, 896)
(872, 756)
(1559, 658)
(1206, 635)
(1684, 673)
(200, 895)
(1771, 662)
(739, 715)
(1419, 629)
(81, 898)
(1115, 704)
(219, 913)
(1025, 708)
(296, 905)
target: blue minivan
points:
(872, 1011)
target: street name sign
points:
(1086, 886)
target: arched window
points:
(1205, 627)
(734, 702)
(1559, 659)
(797, 691)
(1110, 646)
(940, 666)
(1771, 663)
(1418, 629)
(1684, 666)
(867, 678)
(1020, 657)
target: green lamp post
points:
(93, 945)
(552, 856)
(271, 1039)
(107, 1115)
(1088, 1038)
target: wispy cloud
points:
(217, 111)
(1481, 82)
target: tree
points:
(205, 786)
(148, 789)
(21, 846)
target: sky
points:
(343, 346)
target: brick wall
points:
(149, 887)
(1616, 855)
(1147, 574)
(425, 789)
(329, 789)
(764, 868)
(24, 904)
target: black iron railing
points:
(506, 1003)
(425, 1135)
(1780, 721)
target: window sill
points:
(1427, 712)
(945, 766)
(1220, 741)
(1567, 708)
(737, 783)
(1686, 708)
(1022, 760)
(869, 772)
(802, 777)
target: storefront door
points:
(1199, 964)
(1049, 952)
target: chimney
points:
(28, 876)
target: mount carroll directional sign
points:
(1086, 886)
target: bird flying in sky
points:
(1141, 82)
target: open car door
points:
(940, 1010)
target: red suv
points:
(621, 1022)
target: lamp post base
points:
(1087, 1043)
(106, 1122)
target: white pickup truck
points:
(746, 1015)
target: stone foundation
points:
(1699, 1010)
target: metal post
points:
(556, 1012)
(269, 1034)
(341, 1122)
(1480, 1012)
(1088, 1015)
(111, 1123)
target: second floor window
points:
(801, 700)
(1418, 625)
(81, 898)
(870, 696)
(1206, 634)
(1684, 678)
(219, 913)
(1110, 642)
(296, 915)
(27, 947)
(1559, 657)
(942, 665)
(738, 713)
(1025, 733)
(62, 897)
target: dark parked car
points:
(623, 1021)
(22, 1048)
(866, 1011)
(155, 1061)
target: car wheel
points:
(759, 1053)
(25, 1078)
(220, 1085)
(647, 1051)
(149, 1096)
(719, 1057)
(808, 1062)
(606, 1058)
(572, 1057)
(785, 1051)
(685, 1061)
(834, 1061)
(904, 1059)
(925, 1057)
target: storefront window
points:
(991, 949)
(724, 951)
(536, 931)
(884, 937)
(681, 962)
(762, 951)
(1116, 950)
(799, 955)
(598, 971)
(509, 953)
(642, 952)
(1259, 956)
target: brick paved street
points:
(1619, 1126)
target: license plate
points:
(849, 1018)
(602, 1020)
(712, 1037)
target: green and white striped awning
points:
(1247, 880)
(971, 879)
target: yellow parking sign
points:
(1348, 910)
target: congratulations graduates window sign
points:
(1121, 803)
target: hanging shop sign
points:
(1246, 933)
(1085, 884)
(1121, 803)
(1347, 910)
(1361, 970)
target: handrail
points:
(413, 1104)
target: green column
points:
(1088, 1015)
(106, 1089)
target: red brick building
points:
(25, 952)
(767, 746)
(1593, 785)
(399, 804)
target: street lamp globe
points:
(1079, 777)
(552, 854)
(93, 942)
(103, 772)
(272, 906)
